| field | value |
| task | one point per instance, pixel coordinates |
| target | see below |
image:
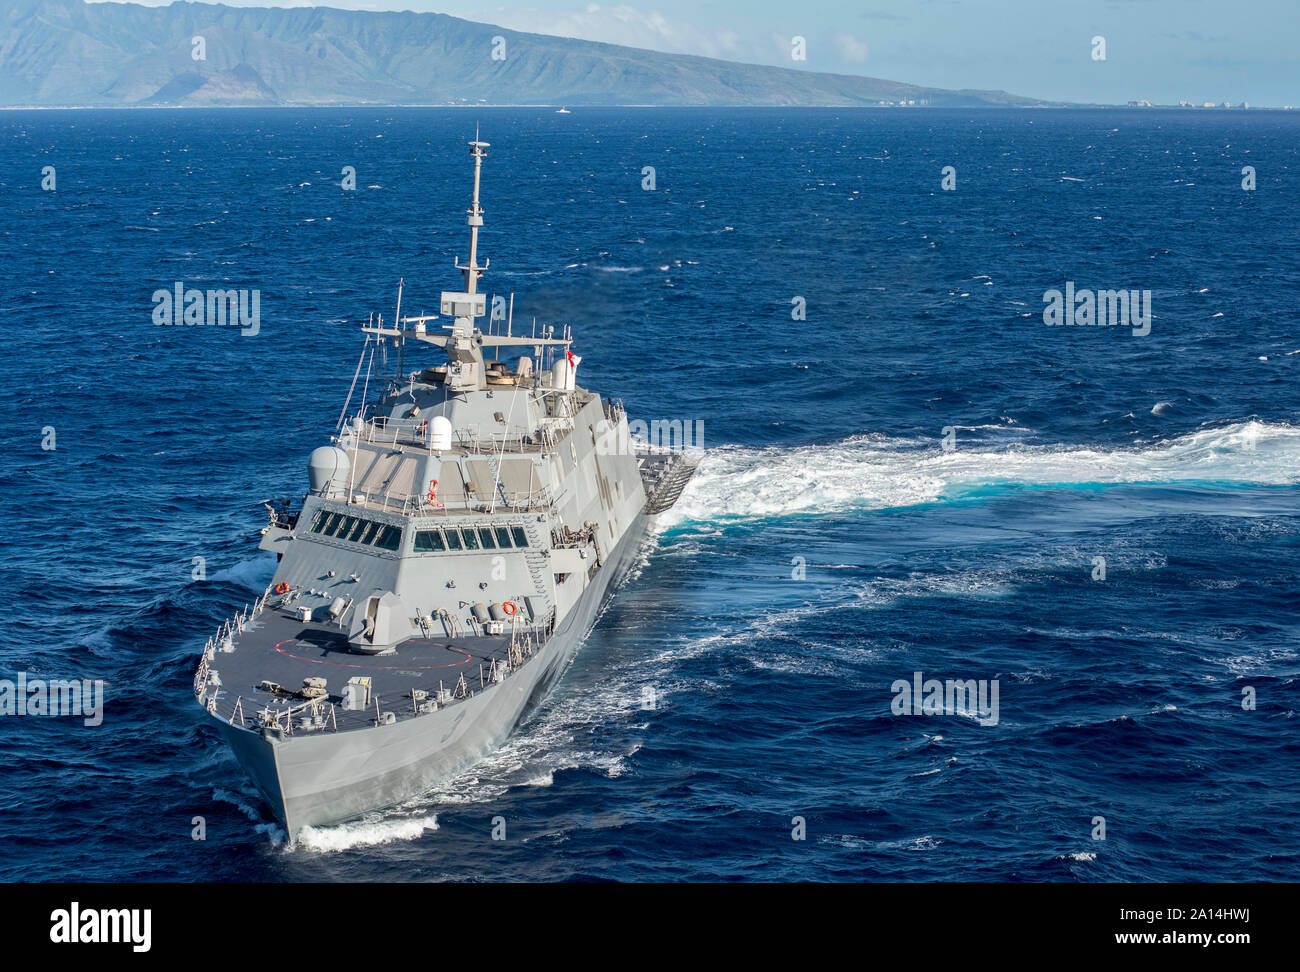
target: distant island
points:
(70, 53)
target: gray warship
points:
(460, 535)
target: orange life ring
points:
(510, 607)
(282, 588)
(433, 491)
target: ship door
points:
(372, 613)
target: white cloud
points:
(345, 4)
(613, 25)
(850, 48)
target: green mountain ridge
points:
(71, 53)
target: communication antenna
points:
(397, 321)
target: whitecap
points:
(364, 833)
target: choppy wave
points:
(719, 696)
(364, 833)
(254, 573)
(876, 472)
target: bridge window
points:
(323, 522)
(453, 539)
(427, 541)
(503, 537)
(471, 538)
(485, 535)
(521, 538)
(388, 537)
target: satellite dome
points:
(327, 471)
(440, 434)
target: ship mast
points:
(474, 220)
(465, 343)
(465, 358)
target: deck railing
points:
(225, 637)
(524, 643)
(415, 432)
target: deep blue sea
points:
(917, 477)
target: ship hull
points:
(327, 777)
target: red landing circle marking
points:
(384, 668)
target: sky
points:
(1163, 51)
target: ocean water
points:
(918, 477)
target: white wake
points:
(877, 472)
